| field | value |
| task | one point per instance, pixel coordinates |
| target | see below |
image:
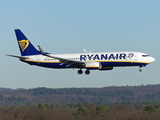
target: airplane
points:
(85, 60)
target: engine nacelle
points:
(92, 65)
(97, 65)
(102, 67)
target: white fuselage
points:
(106, 58)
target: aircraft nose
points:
(151, 59)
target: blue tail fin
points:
(25, 46)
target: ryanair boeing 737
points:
(88, 61)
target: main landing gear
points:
(87, 72)
(80, 71)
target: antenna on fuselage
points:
(85, 51)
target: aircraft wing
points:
(70, 62)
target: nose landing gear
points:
(140, 70)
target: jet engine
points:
(97, 65)
(103, 67)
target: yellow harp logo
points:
(23, 44)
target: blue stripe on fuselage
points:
(106, 64)
(116, 64)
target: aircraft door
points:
(135, 57)
(38, 59)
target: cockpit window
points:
(145, 55)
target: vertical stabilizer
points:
(25, 46)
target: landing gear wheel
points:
(79, 71)
(87, 72)
(140, 70)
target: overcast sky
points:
(69, 26)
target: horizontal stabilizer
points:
(20, 57)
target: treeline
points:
(85, 111)
(104, 96)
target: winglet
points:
(40, 49)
